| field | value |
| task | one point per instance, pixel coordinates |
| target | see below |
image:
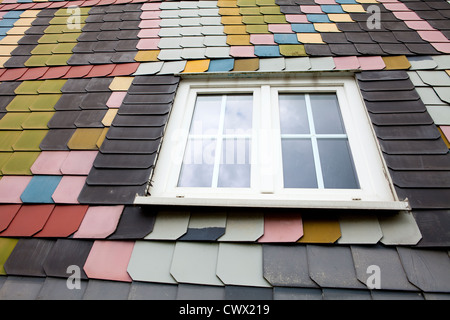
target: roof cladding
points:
(83, 108)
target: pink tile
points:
(149, 23)
(68, 189)
(148, 44)
(78, 162)
(99, 222)
(371, 63)
(346, 63)
(49, 162)
(115, 99)
(261, 39)
(280, 28)
(12, 187)
(108, 260)
(311, 9)
(150, 15)
(442, 47)
(297, 18)
(396, 6)
(403, 15)
(282, 228)
(446, 131)
(242, 51)
(148, 33)
(325, 2)
(150, 6)
(419, 25)
(433, 36)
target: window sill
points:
(274, 203)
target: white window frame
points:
(376, 189)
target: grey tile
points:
(106, 290)
(152, 291)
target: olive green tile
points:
(46, 48)
(274, 18)
(37, 120)
(68, 38)
(58, 60)
(292, 50)
(7, 139)
(51, 86)
(29, 140)
(37, 61)
(85, 139)
(13, 120)
(54, 29)
(66, 12)
(21, 103)
(253, 19)
(270, 10)
(250, 11)
(49, 38)
(59, 20)
(20, 163)
(64, 47)
(265, 2)
(45, 102)
(4, 157)
(257, 28)
(71, 28)
(246, 3)
(7, 245)
(28, 87)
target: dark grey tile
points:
(56, 140)
(110, 195)
(90, 118)
(199, 292)
(57, 289)
(118, 177)
(152, 291)
(434, 226)
(248, 293)
(286, 293)
(345, 294)
(95, 100)
(106, 290)
(136, 222)
(124, 161)
(130, 146)
(63, 120)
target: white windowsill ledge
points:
(273, 203)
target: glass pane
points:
(206, 116)
(238, 114)
(337, 164)
(198, 164)
(326, 114)
(234, 170)
(293, 116)
(299, 170)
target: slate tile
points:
(152, 291)
(434, 226)
(56, 289)
(418, 162)
(402, 119)
(248, 293)
(63, 120)
(414, 147)
(140, 120)
(200, 292)
(118, 177)
(98, 85)
(346, 294)
(135, 223)
(286, 293)
(21, 288)
(407, 132)
(75, 86)
(106, 290)
(108, 195)
(130, 146)
(137, 161)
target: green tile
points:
(58, 60)
(7, 139)
(4, 157)
(253, 19)
(37, 120)
(44, 48)
(246, 3)
(13, 120)
(68, 38)
(7, 245)
(292, 50)
(55, 29)
(70, 28)
(45, 102)
(265, 2)
(37, 61)
(274, 18)
(49, 38)
(51, 86)
(257, 28)
(66, 12)
(30, 140)
(58, 20)
(21, 103)
(64, 47)
(270, 10)
(20, 163)
(28, 87)
(250, 11)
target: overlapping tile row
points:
(228, 270)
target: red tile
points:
(105, 2)
(25, 6)
(56, 72)
(90, 3)
(41, 5)
(55, 5)
(125, 69)
(101, 70)
(13, 74)
(74, 3)
(280, 227)
(64, 221)
(7, 214)
(78, 71)
(29, 220)
(34, 73)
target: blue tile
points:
(302, 27)
(332, 8)
(40, 189)
(267, 51)
(346, 1)
(13, 14)
(218, 65)
(7, 23)
(285, 38)
(317, 17)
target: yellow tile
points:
(148, 55)
(448, 72)
(340, 17)
(367, 1)
(231, 20)
(309, 38)
(102, 137)
(85, 139)
(227, 4)
(326, 27)
(396, 62)
(229, 11)
(235, 29)
(109, 117)
(24, 22)
(320, 230)
(197, 66)
(30, 13)
(10, 40)
(3, 60)
(121, 83)
(17, 31)
(239, 40)
(5, 51)
(353, 8)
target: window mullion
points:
(219, 142)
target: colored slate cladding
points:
(83, 109)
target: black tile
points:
(92, 27)
(139, 120)
(127, 45)
(131, 16)
(16, 62)
(75, 86)
(155, 80)
(334, 37)
(23, 50)
(90, 118)
(110, 26)
(400, 95)
(395, 48)
(130, 146)
(401, 119)
(418, 162)
(358, 37)
(383, 37)
(107, 36)
(95, 100)
(123, 57)
(135, 133)
(203, 234)
(88, 37)
(425, 198)
(153, 89)
(79, 59)
(419, 48)
(343, 49)
(84, 47)
(110, 17)
(136, 222)
(414, 147)
(382, 75)
(105, 46)
(408, 36)
(369, 49)
(94, 18)
(63, 120)
(144, 109)
(386, 85)
(318, 50)
(434, 227)
(100, 58)
(36, 30)
(248, 293)
(114, 195)
(421, 179)
(7, 88)
(348, 26)
(118, 177)
(394, 26)
(124, 161)
(407, 132)
(56, 140)
(130, 25)
(69, 101)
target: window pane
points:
(238, 114)
(198, 164)
(206, 116)
(293, 116)
(326, 113)
(337, 164)
(234, 170)
(298, 164)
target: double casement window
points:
(291, 142)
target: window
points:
(291, 142)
